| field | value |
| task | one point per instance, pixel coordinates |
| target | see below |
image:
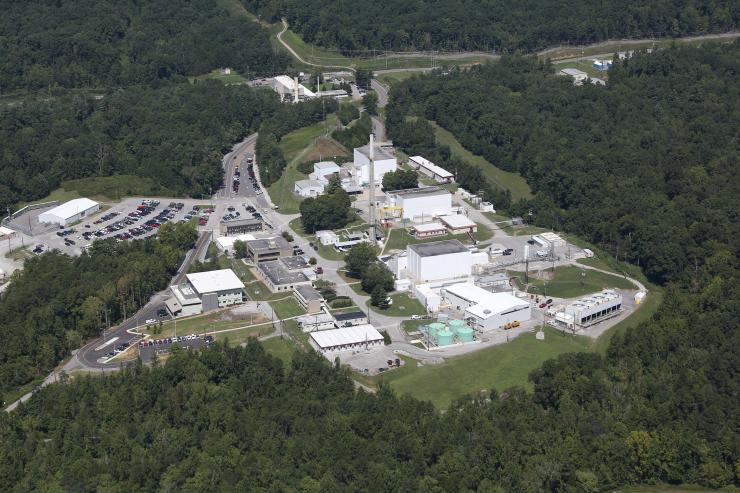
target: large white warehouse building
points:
(420, 204)
(69, 212)
(483, 309)
(439, 260)
(384, 163)
(205, 291)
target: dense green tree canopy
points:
(645, 166)
(95, 43)
(176, 135)
(57, 302)
(490, 24)
(331, 210)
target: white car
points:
(150, 321)
(415, 317)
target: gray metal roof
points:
(380, 153)
(420, 192)
(340, 317)
(268, 243)
(308, 293)
(434, 248)
(279, 275)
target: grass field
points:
(199, 324)
(403, 306)
(499, 367)
(395, 77)
(280, 348)
(295, 146)
(570, 283)
(243, 335)
(504, 179)
(105, 188)
(399, 238)
(287, 307)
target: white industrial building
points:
(428, 168)
(417, 204)
(578, 76)
(69, 212)
(483, 309)
(324, 170)
(385, 162)
(347, 339)
(289, 89)
(308, 188)
(438, 260)
(429, 230)
(459, 224)
(204, 291)
(226, 243)
(317, 321)
(327, 237)
(590, 309)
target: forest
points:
(102, 43)
(645, 167)
(490, 25)
(660, 406)
(57, 302)
(175, 134)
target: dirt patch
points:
(325, 148)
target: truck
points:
(512, 325)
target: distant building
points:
(418, 204)
(350, 318)
(578, 76)
(289, 89)
(483, 309)
(438, 260)
(310, 299)
(346, 339)
(308, 188)
(279, 277)
(327, 237)
(385, 162)
(428, 168)
(459, 224)
(602, 64)
(6, 233)
(590, 310)
(317, 321)
(429, 230)
(240, 226)
(265, 249)
(69, 212)
(204, 291)
(324, 170)
(226, 243)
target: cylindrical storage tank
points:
(444, 337)
(434, 328)
(465, 334)
(456, 325)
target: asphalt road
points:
(381, 91)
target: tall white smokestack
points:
(373, 234)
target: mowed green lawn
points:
(281, 348)
(572, 282)
(403, 306)
(499, 367)
(287, 307)
(504, 179)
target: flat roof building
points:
(69, 212)
(438, 260)
(204, 291)
(459, 224)
(308, 188)
(347, 339)
(428, 168)
(226, 243)
(418, 204)
(278, 277)
(289, 89)
(264, 249)
(578, 76)
(240, 226)
(483, 309)
(429, 230)
(357, 317)
(384, 163)
(310, 299)
(317, 321)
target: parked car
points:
(150, 321)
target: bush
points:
(341, 302)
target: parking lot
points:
(147, 349)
